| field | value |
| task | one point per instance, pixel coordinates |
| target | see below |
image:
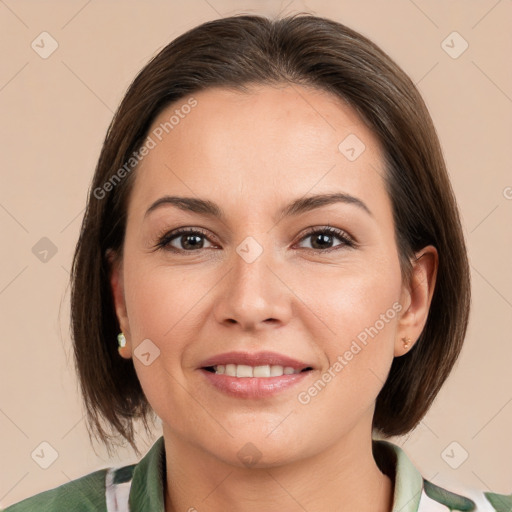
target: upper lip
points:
(255, 359)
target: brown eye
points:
(187, 240)
(322, 239)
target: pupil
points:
(187, 243)
(322, 238)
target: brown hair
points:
(311, 51)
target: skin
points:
(253, 153)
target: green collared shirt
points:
(140, 488)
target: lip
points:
(253, 387)
(255, 359)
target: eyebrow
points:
(296, 207)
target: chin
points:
(256, 450)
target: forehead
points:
(261, 144)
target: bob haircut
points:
(236, 52)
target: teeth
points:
(243, 370)
(261, 371)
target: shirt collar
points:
(407, 479)
(147, 488)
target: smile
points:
(258, 382)
(244, 371)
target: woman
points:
(271, 261)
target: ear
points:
(416, 298)
(117, 286)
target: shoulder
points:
(136, 486)
(435, 498)
(85, 494)
(414, 493)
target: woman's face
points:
(257, 276)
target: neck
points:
(344, 477)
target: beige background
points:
(55, 112)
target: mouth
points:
(247, 371)
(254, 376)
(259, 364)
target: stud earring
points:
(406, 342)
(121, 340)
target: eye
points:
(192, 239)
(322, 239)
(184, 240)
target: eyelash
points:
(164, 240)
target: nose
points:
(253, 295)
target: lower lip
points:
(253, 387)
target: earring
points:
(406, 342)
(121, 340)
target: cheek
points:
(362, 316)
(353, 301)
(159, 299)
(361, 313)
(160, 305)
